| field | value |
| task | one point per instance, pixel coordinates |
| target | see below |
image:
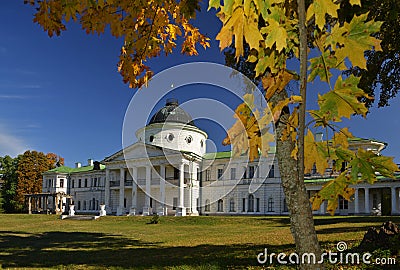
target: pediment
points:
(139, 150)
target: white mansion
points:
(167, 171)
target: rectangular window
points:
(84, 205)
(125, 202)
(270, 205)
(219, 174)
(285, 208)
(343, 203)
(220, 206)
(176, 173)
(79, 183)
(251, 172)
(79, 205)
(85, 182)
(244, 205)
(208, 175)
(257, 204)
(61, 183)
(232, 205)
(233, 173)
(95, 182)
(49, 183)
(174, 203)
(374, 200)
(73, 183)
(271, 173)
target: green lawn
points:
(45, 241)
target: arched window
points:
(207, 206)
(270, 204)
(220, 205)
(232, 205)
(250, 207)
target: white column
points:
(181, 207)
(163, 209)
(132, 212)
(107, 191)
(194, 190)
(394, 201)
(190, 188)
(356, 204)
(121, 209)
(146, 208)
(367, 209)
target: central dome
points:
(171, 112)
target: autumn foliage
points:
(25, 176)
(270, 28)
(148, 28)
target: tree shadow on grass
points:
(97, 250)
(335, 230)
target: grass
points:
(44, 241)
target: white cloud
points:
(20, 86)
(11, 145)
(13, 97)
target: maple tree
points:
(148, 27)
(383, 67)
(23, 175)
(275, 31)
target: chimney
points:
(90, 162)
(319, 137)
(77, 164)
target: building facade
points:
(168, 172)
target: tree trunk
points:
(301, 220)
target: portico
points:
(140, 187)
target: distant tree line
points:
(23, 175)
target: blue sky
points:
(64, 94)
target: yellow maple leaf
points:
(319, 8)
(250, 133)
(341, 138)
(315, 153)
(276, 34)
(233, 25)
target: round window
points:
(189, 139)
(170, 137)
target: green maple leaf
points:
(352, 39)
(342, 101)
(331, 191)
(367, 163)
(321, 65)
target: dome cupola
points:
(171, 112)
(173, 128)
